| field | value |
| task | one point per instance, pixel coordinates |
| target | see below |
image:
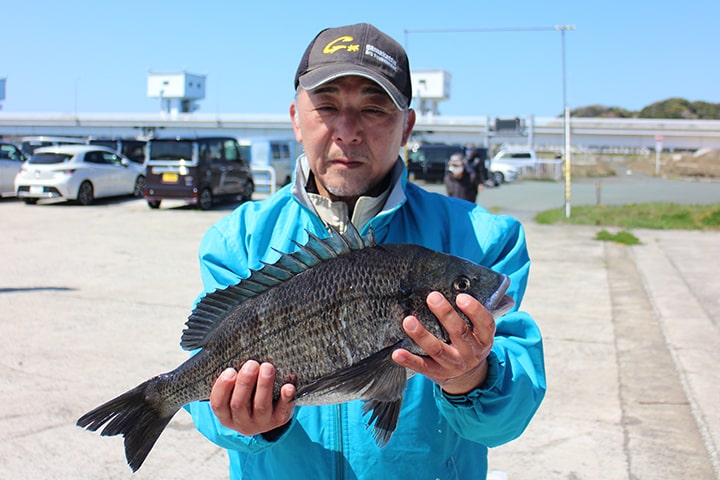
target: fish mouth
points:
(499, 304)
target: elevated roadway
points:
(586, 133)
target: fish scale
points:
(327, 316)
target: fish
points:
(328, 317)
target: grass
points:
(656, 216)
(624, 237)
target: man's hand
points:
(461, 365)
(242, 400)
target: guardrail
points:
(265, 181)
(550, 169)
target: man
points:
(352, 115)
(460, 179)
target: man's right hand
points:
(242, 400)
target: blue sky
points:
(94, 56)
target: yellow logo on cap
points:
(341, 43)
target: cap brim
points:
(324, 74)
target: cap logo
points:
(336, 45)
(381, 56)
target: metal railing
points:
(265, 181)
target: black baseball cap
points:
(359, 49)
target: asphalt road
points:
(93, 301)
(525, 198)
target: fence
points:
(265, 181)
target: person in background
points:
(479, 390)
(477, 160)
(460, 181)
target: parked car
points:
(428, 161)
(78, 172)
(503, 172)
(508, 164)
(11, 159)
(132, 148)
(198, 171)
(28, 145)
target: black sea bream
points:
(327, 316)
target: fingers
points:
(243, 400)
(458, 365)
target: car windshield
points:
(49, 158)
(170, 150)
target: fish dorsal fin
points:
(214, 306)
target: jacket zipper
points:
(339, 470)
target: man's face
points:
(351, 132)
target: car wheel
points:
(206, 199)
(139, 186)
(30, 201)
(499, 178)
(85, 194)
(155, 204)
(247, 191)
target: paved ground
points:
(93, 300)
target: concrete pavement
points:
(631, 339)
(93, 300)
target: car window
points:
(10, 152)
(94, 157)
(211, 151)
(135, 151)
(246, 152)
(111, 159)
(232, 154)
(49, 158)
(171, 150)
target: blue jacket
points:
(438, 435)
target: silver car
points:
(11, 159)
(79, 173)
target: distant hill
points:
(671, 108)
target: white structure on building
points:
(430, 87)
(177, 91)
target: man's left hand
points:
(461, 365)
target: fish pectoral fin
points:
(383, 399)
(378, 380)
(355, 380)
(384, 418)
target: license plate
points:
(169, 177)
(35, 189)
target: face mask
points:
(455, 170)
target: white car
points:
(11, 159)
(508, 164)
(78, 172)
(503, 172)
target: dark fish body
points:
(328, 317)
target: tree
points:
(671, 108)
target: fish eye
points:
(461, 284)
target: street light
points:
(567, 155)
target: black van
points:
(199, 171)
(428, 161)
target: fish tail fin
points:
(135, 417)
